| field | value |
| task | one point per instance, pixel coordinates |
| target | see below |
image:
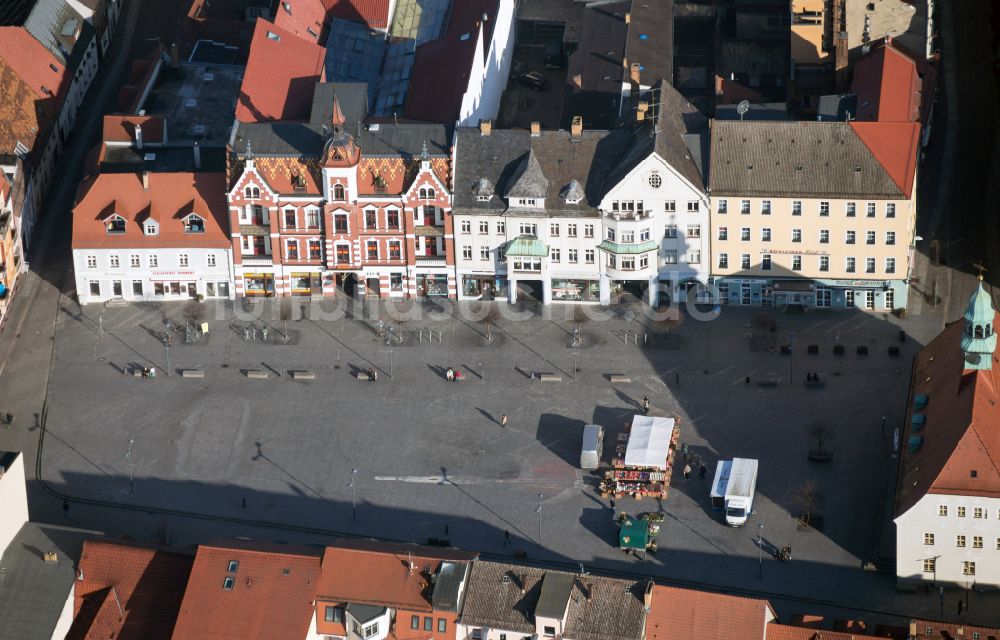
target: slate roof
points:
(501, 156)
(128, 591)
(675, 130)
(960, 432)
(271, 597)
(61, 29)
(529, 180)
(33, 592)
(505, 597)
(594, 70)
(650, 40)
(789, 159)
(555, 593)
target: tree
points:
(285, 313)
(807, 497)
(580, 317)
(490, 318)
(194, 312)
(822, 432)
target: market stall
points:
(644, 459)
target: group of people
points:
(149, 372)
(372, 375)
(812, 377)
(453, 375)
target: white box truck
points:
(593, 446)
(733, 489)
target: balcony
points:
(628, 249)
(630, 215)
(432, 261)
(258, 260)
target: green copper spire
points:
(979, 341)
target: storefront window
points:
(258, 284)
(301, 283)
(432, 285)
(575, 290)
(396, 281)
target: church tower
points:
(979, 340)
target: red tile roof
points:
(4, 188)
(170, 197)
(271, 597)
(374, 13)
(128, 591)
(686, 614)
(304, 18)
(375, 573)
(441, 68)
(23, 117)
(122, 128)
(36, 65)
(895, 146)
(281, 74)
(788, 632)
(959, 433)
(888, 86)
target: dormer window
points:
(115, 224)
(426, 193)
(252, 192)
(194, 224)
(151, 229)
(526, 202)
(482, 198)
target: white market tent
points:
(649, 442)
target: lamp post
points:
(538, 510)
(388, 344)
(760, 550)
(128, 457)
(791, 358)
(166, 344)
(354, 494)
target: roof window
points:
(228, 582)
(234, 565)
(273, 36)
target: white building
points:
(948, 485)
(152, 236)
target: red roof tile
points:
(788, 632)
(686, 614)
(374, 13)
(4, 188)
(122, 128)
(23, 117)
(895, 146)
(888, 86)
(959, 433)
(280, 77)
(271, 597)
(441, 68)
(377, 573)
(36, 65)
(304, 18)
(127, 591)
(170, 197)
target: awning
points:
(628, 249)
(526, 247)
(649, 442)
(793, 285)
(634, 534)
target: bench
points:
(256, 374)
(548, 377)
(306, 375)
(813, 349)
(838, 349)
(192, 373)
(862, 350)
(816, 384)
(619, 378)
(768, 382)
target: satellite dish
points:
(743, 107)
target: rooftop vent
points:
(273, 36)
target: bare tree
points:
(823, 433)
(490, 318)
(194, 312)
(285, 313)
(807, 497)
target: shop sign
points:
(173, 274)
(796, 252)
(859, 283)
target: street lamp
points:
(538, 510)
(166, 344)
(128, 457)
(791, 358)
(760, 550)
(388, 344)
(354, 494)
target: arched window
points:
(426, 193)
(338, 192)
(978, 331)
(252, 192)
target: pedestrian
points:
(450, 374)
(687, 472)
(457, 377)
(612, 504)
(961, 605)
(645, 404)
(506, 537)
(748, 379)
(66, 508)
(244, 503)
(702, 470)
(503, 420)
(446, 529)
(883, 425)
(677, 378)
(374, 375)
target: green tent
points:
(634, 534)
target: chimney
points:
(51, 556)
(485, 127)
(633, 73)
(647, 596)
(145, 180)
(197, 155)
(524, 582)
(576, 127)
(175, 58)
(138, 136)
(628, 17)
(959, 631)
(590, 592)
(536, 129)
(913, 629)
(640, 111)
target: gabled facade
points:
(948, 486)
(337, 204)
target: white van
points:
(593, 446)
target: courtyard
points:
(415, 457)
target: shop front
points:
(432, 285)
(306, 284)
(870, 295)
(575, 290)
(484, 287)
(258, 284)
